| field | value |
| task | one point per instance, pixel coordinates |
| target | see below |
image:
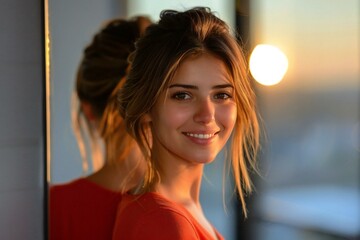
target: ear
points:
(88, 111)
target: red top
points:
(152, 217)
(82, 210)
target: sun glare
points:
(268, 64)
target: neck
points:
(119, 176)
(181, 184)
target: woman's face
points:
(193, 119)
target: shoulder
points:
(60, 191)
(152, 217)
(166, 224)
(63, 188)
(72, 203)
(61, 196)
(61, 206)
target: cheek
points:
(177, 117)
(227, 116)
(171, 117)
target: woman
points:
(188, 86)
(86, 207)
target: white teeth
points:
(201, 136)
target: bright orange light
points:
(268, 64)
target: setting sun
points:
(268, 64)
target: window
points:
(310, 159)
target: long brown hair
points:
(156, 59)
(101, 73)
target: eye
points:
(222, 96)
(181, 96)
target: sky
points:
(320, 38)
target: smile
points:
(200, 136)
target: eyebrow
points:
(187, 86)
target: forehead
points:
(202, 68)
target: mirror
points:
(317, 103)
(72, 25)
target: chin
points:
(206, 161)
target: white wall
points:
(21, 120)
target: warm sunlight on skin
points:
(268, 64)
(198, 116)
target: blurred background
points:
(311, 149)
(305, 65)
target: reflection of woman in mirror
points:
(86, 207)
(188, 83)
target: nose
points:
(205, 112)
